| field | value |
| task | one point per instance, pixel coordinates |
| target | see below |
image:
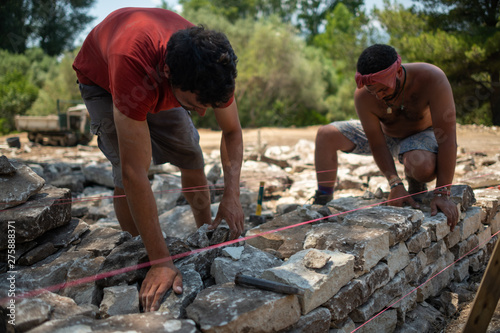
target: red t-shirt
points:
(125, 54)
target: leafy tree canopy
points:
(50, 24)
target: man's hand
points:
(159, 279)
(448, 207)
(231, 211)
(400, 192)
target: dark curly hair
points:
(376, 58)
(202, 61)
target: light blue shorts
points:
(353, 130)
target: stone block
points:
(452, 238)
(437, 279)
(251, 262)
(461, 270)
(368, 245)
(435, 251)
(437, 226)
(380, 299)
(18, 185)
(400, 222)
(419, 240)
(48, 209)
(484, 235)
(465, 247)
(228, 308)
(287, 242)
(495, 223)
(471, 223)
(415, 268)
(319, 284)
(119, 300)
(385, 322)
(317, 320)
(397, 259)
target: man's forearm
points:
(231, 158)
(446, 162)
(144, 212)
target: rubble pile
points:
(359, 263)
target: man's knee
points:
(329, 136)
(420, 164)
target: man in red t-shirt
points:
(141, 71)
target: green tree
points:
(281, 81)
(60, 83)
(16, 96)
(51, 24)
(462, 41)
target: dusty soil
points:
(471, 139)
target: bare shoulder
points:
(425, 73)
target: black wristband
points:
(396, 184)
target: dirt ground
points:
(471, 139)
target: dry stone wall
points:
(361, 265)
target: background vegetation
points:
(297, 58)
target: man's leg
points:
(329, 140)
(197, 193)
(123, 212)
(420, 168)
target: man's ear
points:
(166, 69)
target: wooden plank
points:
(487, 296)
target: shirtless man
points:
(141, 72)
(405, 111)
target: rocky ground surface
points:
(289, 182)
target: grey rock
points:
(251, 262)
(174, 305)
(229, 308)
(6, 168)
(99, 173)
(19, 186)
(119, 300)
(48, 209)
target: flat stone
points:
(400, 222)
(46, 210)
(397, 259)
(119, 300)
(252, 262)
(229, 308)
(380, 299)
(19, 186)
(437, 226)
(6, 168)
(471, 223)
(174, 305)
(288, 241)
(420, 240)
(101, 241)
(368, 245)
(317, 320)
(319, 284)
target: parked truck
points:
(67, 128)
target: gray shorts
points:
(353, 130)
(174, 138)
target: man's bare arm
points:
(135, 156)
(443, 115)
(231, 156)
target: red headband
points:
(387, 77)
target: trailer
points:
(67, 128)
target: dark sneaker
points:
(322, 199)
(414, 187)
